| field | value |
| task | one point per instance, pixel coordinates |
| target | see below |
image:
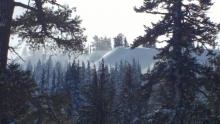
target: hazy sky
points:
(110, 17)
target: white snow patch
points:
(144, 56)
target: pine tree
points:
(103, 99)
(119, 40)
(99, 98)
(212, 90)
(101, 43)
(51, 105)
(73, 84)
(126, 42)
(185, 24)
(107, 93)
(59, 76)
(48, 67)
(29, 67)
(129, 107)
(83, 75)
(88, 74)
(43, 15)
(43, 81)
(136, 72)
(86, 113)
(37, 71)
(17, 90)
(53, 82)
(215, 91)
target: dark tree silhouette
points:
(186, 25)
(120, 40)
(17, 91)
(40, 24)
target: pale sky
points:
(110, 17)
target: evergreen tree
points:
(17, 90)
(83, 75)
(88, 74)
(29, 66)
(126, 43)
(55, 105)
(101, 43)
(107, 93)
(185, 24)
(119, 40)
(86, 113)
(48, 67)
(129, 108)
(53, 82)
(214, 90)
(37, 71)
(43, 81)
(136, 72)
(73, 86)
(36, 24)
(59, 76)
(99, 98)
(210, 90)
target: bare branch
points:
(19, 4)
(55, 3)
(155, 12)
(13, 50)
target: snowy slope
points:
(33, 57)
(96, 55)
(144, 56)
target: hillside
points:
(144, 56)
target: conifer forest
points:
(109, 62)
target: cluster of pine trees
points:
(120, 40)
(105, 43)
(82, 94)
(101, 43)
(97, 95)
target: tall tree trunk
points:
(177, 34)
(6, 13)
(177, 29)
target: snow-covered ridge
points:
(144, 56)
